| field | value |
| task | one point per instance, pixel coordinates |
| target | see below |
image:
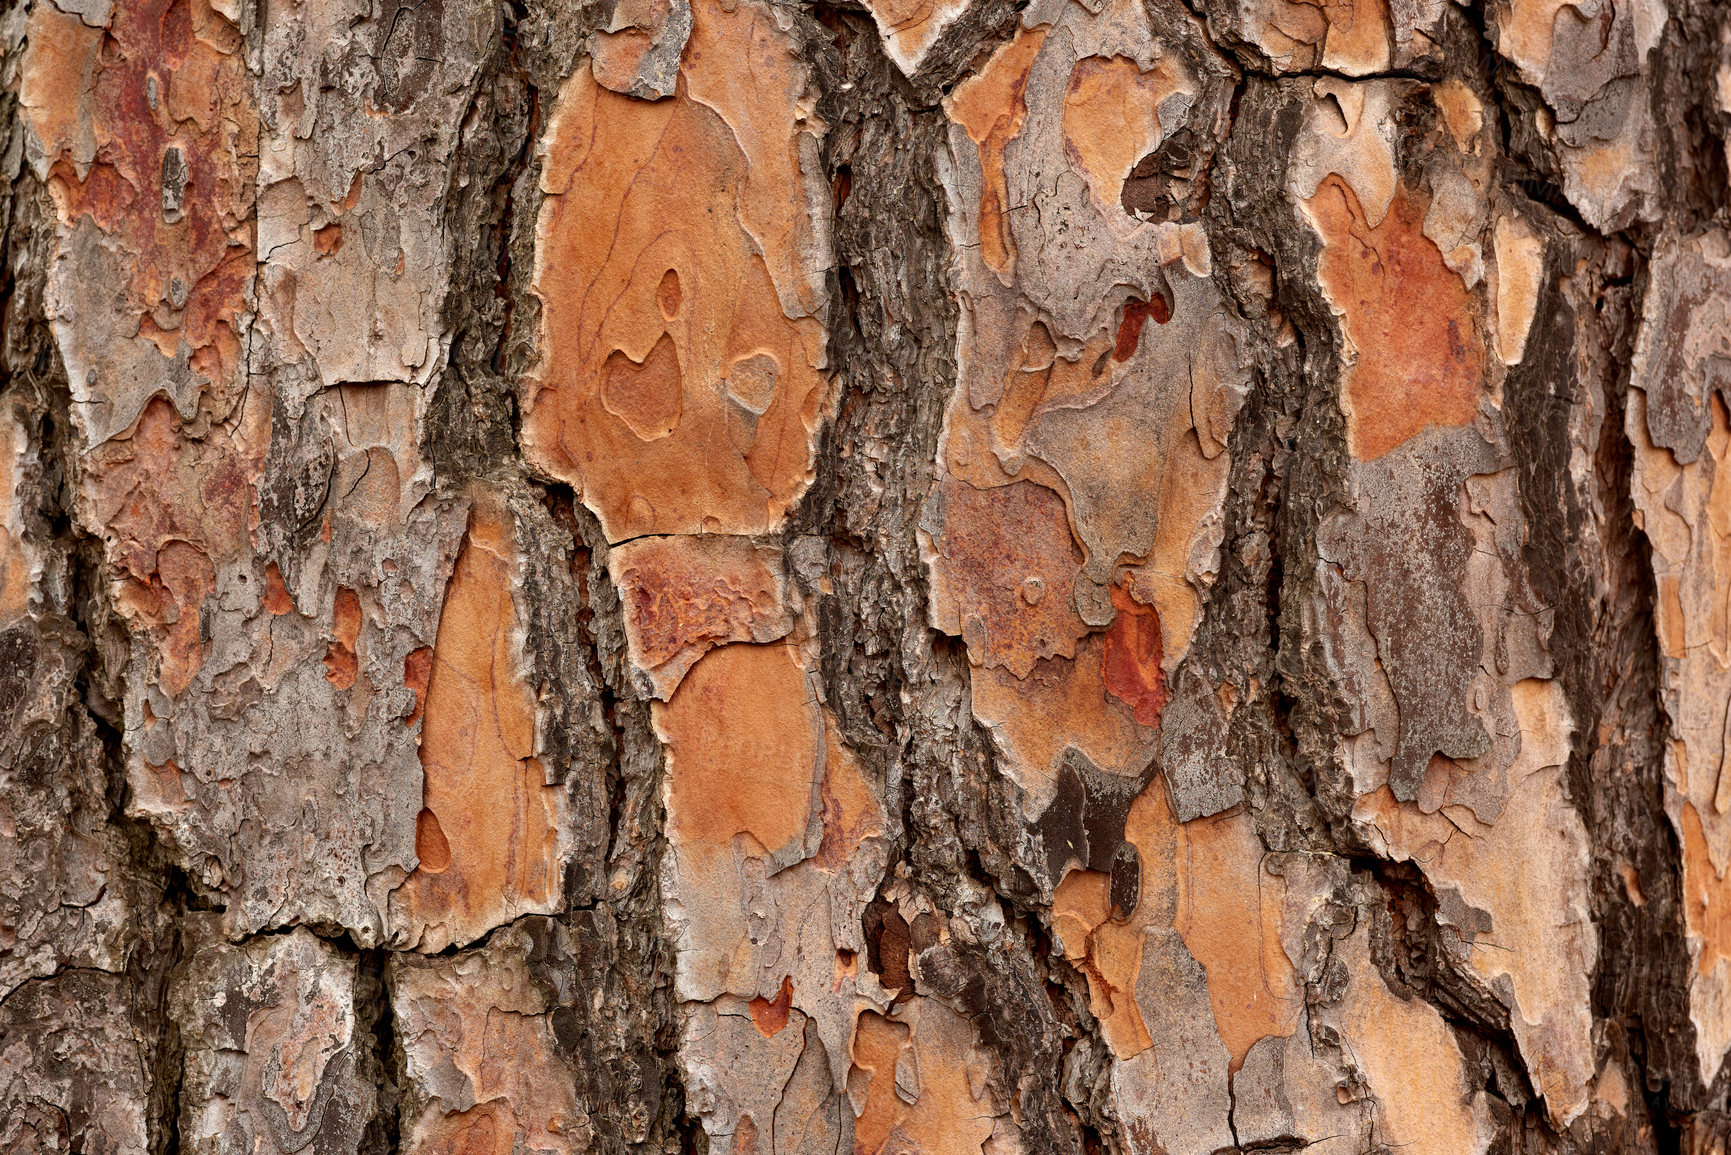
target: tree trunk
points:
(938, 577)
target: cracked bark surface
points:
(949, 577)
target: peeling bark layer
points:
(927, 576)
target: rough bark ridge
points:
(939, 576)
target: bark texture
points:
(906, 577)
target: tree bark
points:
(942, 576)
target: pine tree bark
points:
(946, 577)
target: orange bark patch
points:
(276, 595)
(1111, 961)
(991, 106)
(1347, 36)
(1110, 123)
(625, 59)
(851, 810)
(742, 738)
(1003, 572)
(1061, 703)
(1408, 316)
(60, 67)
(645, 395)
(14, 579)
(679, 388)
(16, 564)
(1229, 915)
(341, 665)
(1204, 878)
(431, 846)
(1081, 902)
(1707, 900)
(1716, 551)
(1358, 35)
(877, 1045)
(188, 577)
(669, 296)
(477, 1131)
(173, 509)
(618, 55)
(1130, 665)
(484, 792)
(914, 24)
(153, 487)
(1520, 279)
(162, 789)
(477, 1029)
(939, 1114)
(1412, 1062)
(159, 109)
(141, 131)
(747, 758)
(770, 1016)
(685, 595)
